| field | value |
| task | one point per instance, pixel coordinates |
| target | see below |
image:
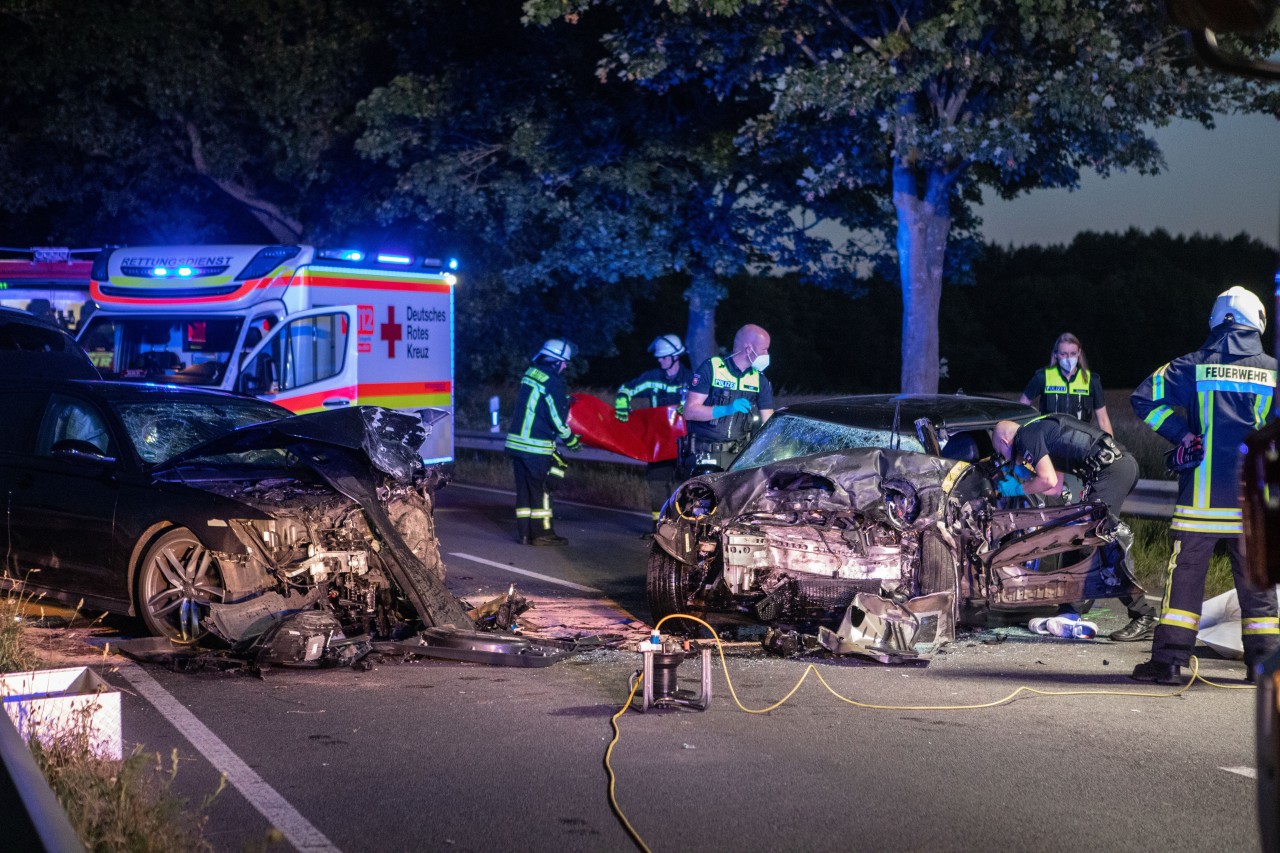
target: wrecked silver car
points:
(872, 523)
(204, 513)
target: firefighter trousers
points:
(534, 476)
(1184, 595)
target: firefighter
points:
(728, 398)
(1051, 445)
(1068, 386)
(1205, 403)
(664, 385)
(540, 418)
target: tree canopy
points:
(926, 102)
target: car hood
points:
(389, 439)
(861, 480)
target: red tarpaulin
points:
(648, 434)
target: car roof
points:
(31, 349)
(877, 411)
(132, 392)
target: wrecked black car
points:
(872, 521)
(205, 513)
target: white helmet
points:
(556, 349)
(667, 346)
(1242, 305)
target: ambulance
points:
(49, 281)
(307, 328)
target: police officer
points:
(1053, 444)
(1208, 401)
(727, 398)
(1068, 386)
(540, 418)
(664, 385)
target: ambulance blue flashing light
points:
(394, 259)
(185, 272)
(353, 255)
(453, 264)
(160, 272)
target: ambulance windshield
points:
(181, 350)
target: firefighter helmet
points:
(1242, 305)
(556, 349)
(667, 346)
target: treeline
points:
(1135, 300)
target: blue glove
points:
(573, 442)
(740, 406)
(1008, 487)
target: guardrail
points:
(30, 814)
(1149, 499)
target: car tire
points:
(176, 582)
(668, 589)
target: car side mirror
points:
(1260, 505)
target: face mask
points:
(1068, 364)
(760, 362)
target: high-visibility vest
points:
(1067, 397)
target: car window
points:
(161, 429)
(787, 436)
(306, 350)
(69, 421)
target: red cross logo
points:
(391, 331)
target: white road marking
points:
(558, 501)
(1247, 772)
(526, 573)
(296, 829)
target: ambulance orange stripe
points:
(405, 393)
(320, 279)
(95, 290)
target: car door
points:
(1052, 555)
(63, 487)
(308, 363)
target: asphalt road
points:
(425, 755)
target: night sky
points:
(1223, 181)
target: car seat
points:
(963, 447)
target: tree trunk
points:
(700, 339)
(924, 225)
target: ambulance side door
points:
(307, 363)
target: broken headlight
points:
(694, 501)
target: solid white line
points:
(1247, 772)
(558, 501)
(276, 809)
(526, 573)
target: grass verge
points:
(1152, 547)
(126, 806)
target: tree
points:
(573, 184)
(146, 116)
(928, 102)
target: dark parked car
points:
(1260, 503)
(31, 349)
(884, 503)
(204, 512)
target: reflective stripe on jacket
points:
(1223, 392)
(541, 412)
(656, 387)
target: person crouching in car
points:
(1055, 443)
